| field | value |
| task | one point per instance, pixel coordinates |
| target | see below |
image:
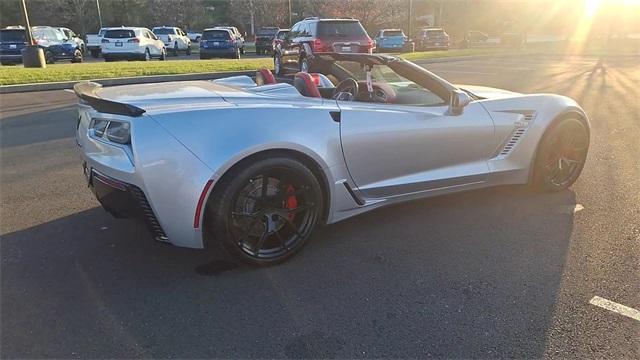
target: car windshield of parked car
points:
(120, 34)
(406, 91)
(164, 31)
(48, 34)
(12, 36)
(393, 33)
(216, 35)
(340, 29)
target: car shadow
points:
(469, 275)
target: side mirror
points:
(458, 100)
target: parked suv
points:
(219, 42)
(264, 39)
(236, 35)
(392, 40)
(434, 38)
(131, 43)
(314, 35)
(12, 41)
(53, 42)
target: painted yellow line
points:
(615, 307)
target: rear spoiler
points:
(87, 92)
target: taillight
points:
(134, 40)
(370, 45)
(104, 41)
(320, 46)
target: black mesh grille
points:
(148, 215)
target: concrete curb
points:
(7, 89)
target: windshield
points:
(12, 36)
(406, 91)
(216, 34)
(341, 29)
(164, 31)
(48, 34)
(120, 34)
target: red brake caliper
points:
(292, 201)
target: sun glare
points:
(591, 7)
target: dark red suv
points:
(313, 36)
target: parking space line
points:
(615, 307)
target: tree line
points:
(457, 16)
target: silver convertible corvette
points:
(256, 165)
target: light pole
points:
(289, 13)
(32, 55)
(99, 16)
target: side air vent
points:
(518, 133)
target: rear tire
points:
(147, 55)
(561, 155)
(163, 54)
(175, 49)
(264, 212)
(49, 58)
(242, 50)
(188, 52)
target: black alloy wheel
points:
(267, 211)
(561, 155)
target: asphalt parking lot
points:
(495, 273)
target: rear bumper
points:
(217, 52)
(123, 200)
(11, 58)
(123, 55)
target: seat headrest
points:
(306, 85)
(265, 77)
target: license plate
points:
(346, 49)
(13, 46)
(118, 44)
(216, 43)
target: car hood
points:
(488, 92)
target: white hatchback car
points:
(131, 43)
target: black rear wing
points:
(87, 92)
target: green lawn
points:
(10, 75)
(100, 70)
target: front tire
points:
(163, 54)
(264, 212)
(561, 155)
(49, 58)
(277, 65)
(77, 56)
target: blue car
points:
(392, 40)
(53, 42)
(219, 43)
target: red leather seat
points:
(265, 77)
(306, 85)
